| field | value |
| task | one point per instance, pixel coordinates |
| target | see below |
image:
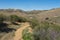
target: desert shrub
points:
(27, 35)
(34, 22)
(46, 18)
(46, 31)
(2, 18)
(22, 19)
(3, 25)
(15, 18)
(39, 32)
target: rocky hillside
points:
(40, 14)
(42, 24)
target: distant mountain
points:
(39, 14)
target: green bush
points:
(2, 18)
(22, 19)
(15, 18)
(27, 35)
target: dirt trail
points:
(18, 33)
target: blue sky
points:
(30, 4)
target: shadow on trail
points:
(4, 28)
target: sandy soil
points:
(18, 33)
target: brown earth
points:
(18, 33)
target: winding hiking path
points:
(18, 33)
